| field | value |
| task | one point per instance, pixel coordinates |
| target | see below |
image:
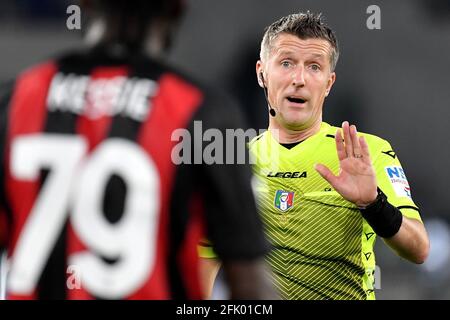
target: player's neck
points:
(286, 135)
(107, 33)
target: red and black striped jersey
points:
(92, 204)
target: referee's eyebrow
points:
(285, 52)
(318, 55)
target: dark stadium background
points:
(392, 82)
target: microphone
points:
(272, 111)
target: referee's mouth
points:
(296, 100)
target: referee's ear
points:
(330, 83)
(260, 73)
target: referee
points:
(325, 193)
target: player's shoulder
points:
(218, 107)
(34, 74)
(29, 80)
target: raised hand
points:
(356, 180)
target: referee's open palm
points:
(356, 180)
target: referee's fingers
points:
(347, 140)
(342, 154)
(365, 150)
(355, 141)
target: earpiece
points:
(261, 79)
(272, 111)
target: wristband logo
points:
(398, 181)
(284, 200)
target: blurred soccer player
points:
(323, 226)
(92, 204)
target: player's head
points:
(297, 61)
(136, 23)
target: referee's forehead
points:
(288, 44)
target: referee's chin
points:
(299, 121)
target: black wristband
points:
(383, 217)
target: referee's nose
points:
(298, 77)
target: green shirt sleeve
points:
(391, 177)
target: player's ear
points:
(260, 73)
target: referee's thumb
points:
(325, 173)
